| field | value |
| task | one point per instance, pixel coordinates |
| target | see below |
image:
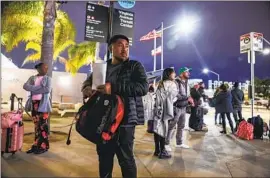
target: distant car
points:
(260, 102)
(257, 101)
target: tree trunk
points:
(47, 46)
(48, 34)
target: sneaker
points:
(191, 130)
(168, 148)
(164, 155)
(182, 146)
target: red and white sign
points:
(251, 41)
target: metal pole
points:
(218, 77)
(252, 61)
(162, 45)
(155, 56)
(111, 9)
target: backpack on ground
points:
(257, 123)
(99, 118)
(245, 130)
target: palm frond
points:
(32, 58)
(80, 55)
(33, 45)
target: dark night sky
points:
(214, 43)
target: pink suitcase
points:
(12, 138)
(12, 128)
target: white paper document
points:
(99, 73)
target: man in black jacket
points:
(127, 79)
(237, 101)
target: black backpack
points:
(99, 118)
(257, 123)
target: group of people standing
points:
(228, 101)
(165, 110)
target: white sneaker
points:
(168, 148)
(182, 146)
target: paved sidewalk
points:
(211, 155)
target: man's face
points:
(186, 75)
(120, 50)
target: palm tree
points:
(23, 22)
(79, 55)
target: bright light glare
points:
(205, 71)
(187, 24)
(55, 68)
(266, 51)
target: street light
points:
(266, 51)
(206, 71)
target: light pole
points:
(206, 71)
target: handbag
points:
(29, 105)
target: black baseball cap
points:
(117, 37)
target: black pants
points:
(235, 113)
(196, 118)
(224, 121)
(122, 146)
(159, 143)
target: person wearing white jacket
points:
(166, 95)
(148, 104)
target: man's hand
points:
(87, 91)
(191, 101)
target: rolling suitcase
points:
(12, 129)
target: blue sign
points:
(127, 4)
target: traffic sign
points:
(251, 41)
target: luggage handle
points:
(13, 95)
(75, 120)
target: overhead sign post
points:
(249, 43)
(103, 22)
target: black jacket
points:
(237, 98)
(131, 84)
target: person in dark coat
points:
(127, 79)
(217, 115)
(196, 116)
(237, 101)
(224, 106)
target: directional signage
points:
(257, 42)
(123, 23)
(96, 23)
